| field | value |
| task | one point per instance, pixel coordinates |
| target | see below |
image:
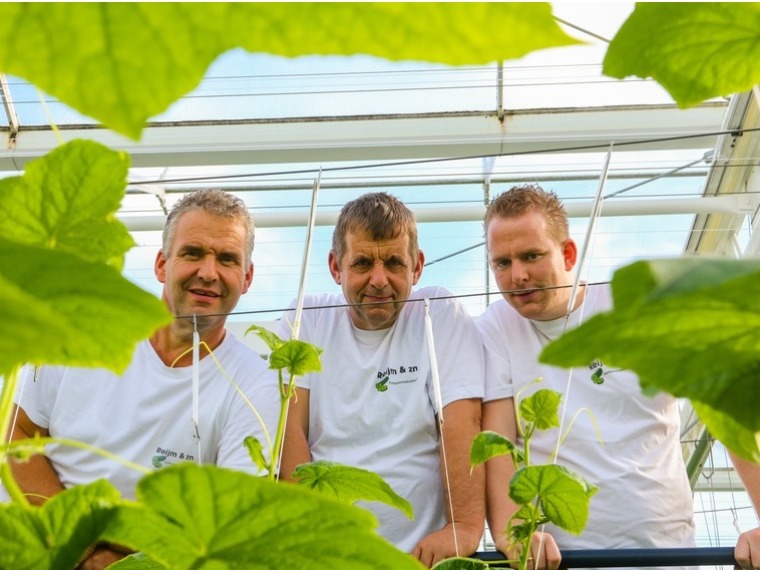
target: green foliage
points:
(541, 409)
(687, 327)
(562, 495)
(349, 484)
(67, 202)
(60, 251)
(70, 311)
(696, 50)
(459, 563)
(256, 452)
(272, 341)
(57, 534)
(137, 561)
(543, 493)
(188, 516)
(489, 444)
(725, 428)
(123, 63)
(297, 356)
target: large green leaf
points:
(685, 326)
(123, 63)
(695, 50)
(269, 338)
(489, 444)
(67, 201)
(349, 484)
(563, 496)
(723, 427)
(207, 517)
(66, 310)
(297, 356)
(57, 534)
(542, 409)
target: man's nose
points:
(207, 268)
(378, 276)
(519, 273)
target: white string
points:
(196, 386)
(439, 405)
(296, 328)
(306, 256)
(595, 214)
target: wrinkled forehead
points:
(364, 243)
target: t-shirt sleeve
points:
(498, 381)
(37, 391)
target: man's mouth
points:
(375, 299)
(523, 292)
(203, 293)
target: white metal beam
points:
(743, 204)
(441, 135)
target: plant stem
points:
(6, 411)
(285, 396)
(38, 443)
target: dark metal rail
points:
(647, 557)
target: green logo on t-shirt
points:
(382, 386)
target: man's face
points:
(376, 274)
(206, 270)
(524, 256)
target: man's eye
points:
(502, 264)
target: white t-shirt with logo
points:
(373, 404)
(644, 498)
(145, 415)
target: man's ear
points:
(418, 267)
(248, 278)
(159, 266)
(569, 254)
(332, 263)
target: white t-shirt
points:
(644, 498)
(145, 415)
(372, 406)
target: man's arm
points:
(296, 450)
(36, 477)
(461, 423)
(39, 481)
(747, 551)
(499, 416)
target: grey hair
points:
(212, 201)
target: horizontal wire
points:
(345, 305)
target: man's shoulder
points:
(498, 312)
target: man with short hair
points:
(374, 405)
(644, 498)
(145, 415)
